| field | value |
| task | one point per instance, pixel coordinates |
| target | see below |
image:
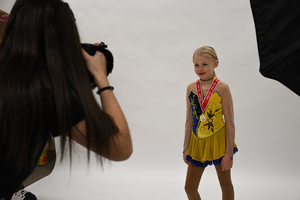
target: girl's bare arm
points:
(188, 126)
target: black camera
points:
(91, 50)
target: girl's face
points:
(204, 66)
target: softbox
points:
(278, 39)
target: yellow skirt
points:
(208, 151)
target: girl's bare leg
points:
(193, 176)
(225, 183)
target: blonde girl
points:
(210, 128)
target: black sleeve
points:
(50, 118)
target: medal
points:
(203, 117)
(204, 103)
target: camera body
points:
(91, 50)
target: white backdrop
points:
(152, 43)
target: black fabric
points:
(10, 181)
(278, 40)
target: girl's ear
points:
(216, 64)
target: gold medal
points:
(204, 102)
(203, 118)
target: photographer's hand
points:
(96, 64)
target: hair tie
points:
(105, 88)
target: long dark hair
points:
(41, 48)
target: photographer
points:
(45, 91)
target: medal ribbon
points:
(203, 104)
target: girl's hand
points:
(96, 64)
(226, 163)
(184, 156)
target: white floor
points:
(130, 180)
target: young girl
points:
(209, 140)
(45, 91)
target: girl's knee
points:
(192, 193)
(226, 186)
(187, 189)
(190, 190)
(225, 183)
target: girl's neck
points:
(207, 80)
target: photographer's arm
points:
(121, 144)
